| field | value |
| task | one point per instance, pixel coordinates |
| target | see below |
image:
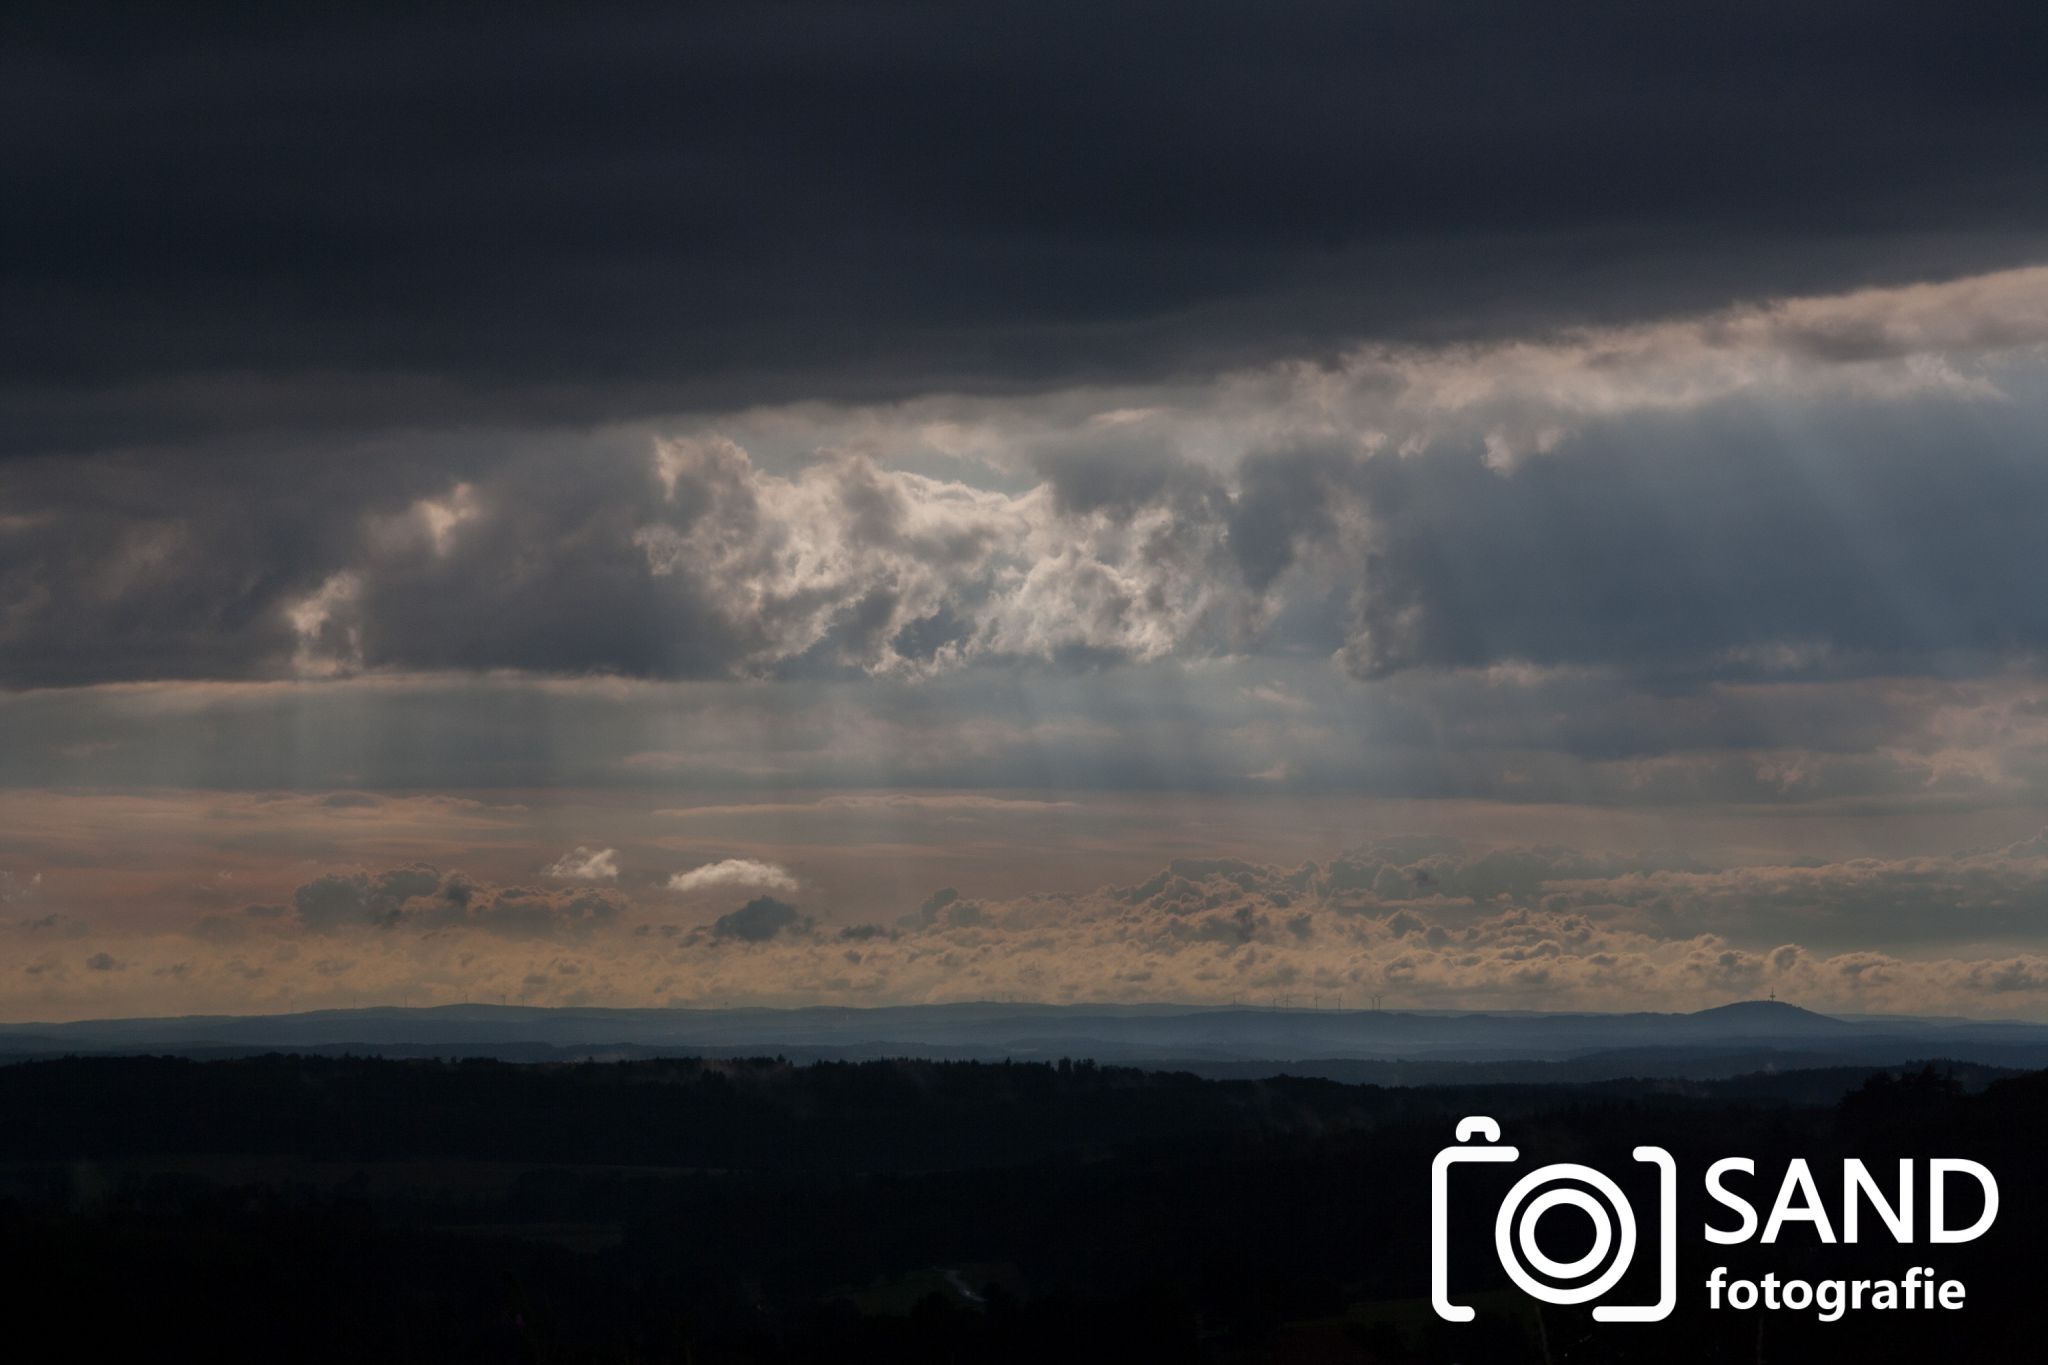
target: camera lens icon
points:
(1562, 1185)
(1614, 1229)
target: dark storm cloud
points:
(1286, 497)
(1118, 476)
(1738, 542)
(546, 577)
(160, 565)
(259, 219)
(182, 561)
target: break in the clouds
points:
(811, 502)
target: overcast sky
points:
(1480, 504)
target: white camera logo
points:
(1514, 1230)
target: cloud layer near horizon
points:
(1424, 921)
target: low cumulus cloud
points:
(758, 921)
(734, 872)
(422, 897)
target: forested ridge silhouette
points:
(323, 1208)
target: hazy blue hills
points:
(1394, 1045)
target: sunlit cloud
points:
(734, 872)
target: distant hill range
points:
(1389, 1046)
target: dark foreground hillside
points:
(311, 1209)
